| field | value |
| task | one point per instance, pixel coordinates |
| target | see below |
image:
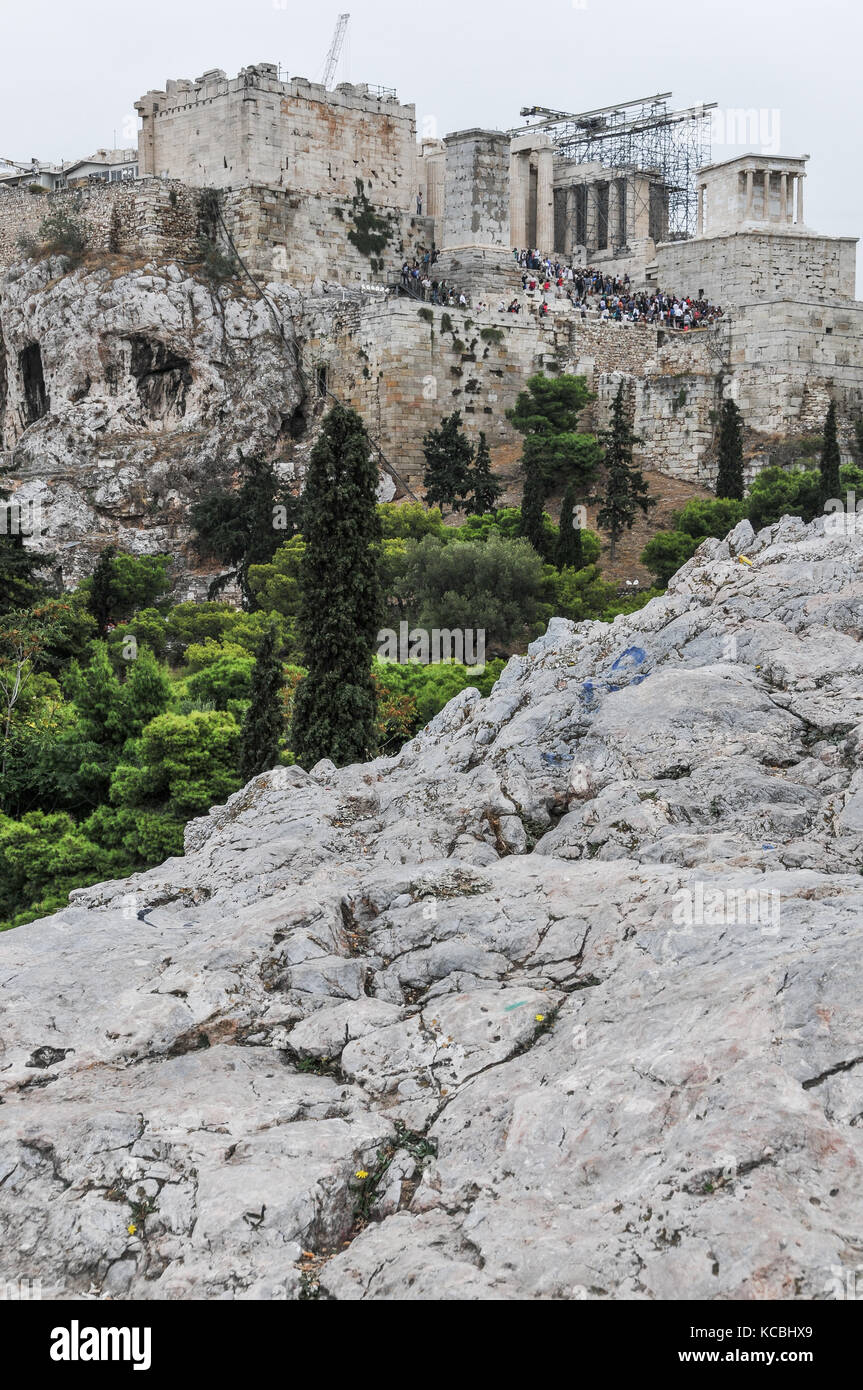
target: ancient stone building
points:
(223, 132)
(318, 185)
(474, 228)
(323, 195)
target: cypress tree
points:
(830, 459)
(532, 503)
(729, 479)
(335, 706)
(547, 415)
(449, 455)
(101, 594)
(486, 488)
(264, 723)
(569, 550)
(625, 488)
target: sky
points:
(70, 73)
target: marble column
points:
(800, 178)
(518, 170)
(750, 185)
(591, 231)
(613, 214)
(569, 232)
(766, 195)
(783, 197)
(435, 187)
(545, 201)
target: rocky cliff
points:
(562, 1002)
(128, 392)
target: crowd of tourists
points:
(596, 293)
(593, 293)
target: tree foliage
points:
(830, 458)
(264, 725)
(447, 479)
(625, 491)
(486, 491)
(496, 586)
(341, 603)
(22, 568)
(729, 479)
(245, 527)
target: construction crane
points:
(332, 58)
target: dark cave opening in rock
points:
(162, 377)
(33, 379)
(295, 425)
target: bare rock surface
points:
(573, 981)
(131, 391)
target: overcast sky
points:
(70, 72)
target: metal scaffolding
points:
(644, 135)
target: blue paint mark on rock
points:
(631, 658)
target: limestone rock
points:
(560, 1002)
(152, 382)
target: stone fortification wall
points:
(221, 132)
(404, 367)
(147, 217)
(736, 269)
(283, 236)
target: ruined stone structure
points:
(146, 217)
(222, 132)
(317, 185)
(323, 195)
(475, 220)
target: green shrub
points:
(496, 585)
(667, 551)
(778, 492)
(42, 857)
(217, 264)
(62, 234)
(709, 516)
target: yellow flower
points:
(361, 1173)
(539, 1017)
(131, 1229)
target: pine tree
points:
(145, 694)
(532, 503)
(335, 708)
(569, 550)
(449, 455)
(547, 414)
(830, 459)
(486, 489)
(625, 488)
(263, 725)
(101, 593)
(729, 479)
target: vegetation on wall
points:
(371, 231)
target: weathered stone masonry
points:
(155, 217)
(403, 370)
